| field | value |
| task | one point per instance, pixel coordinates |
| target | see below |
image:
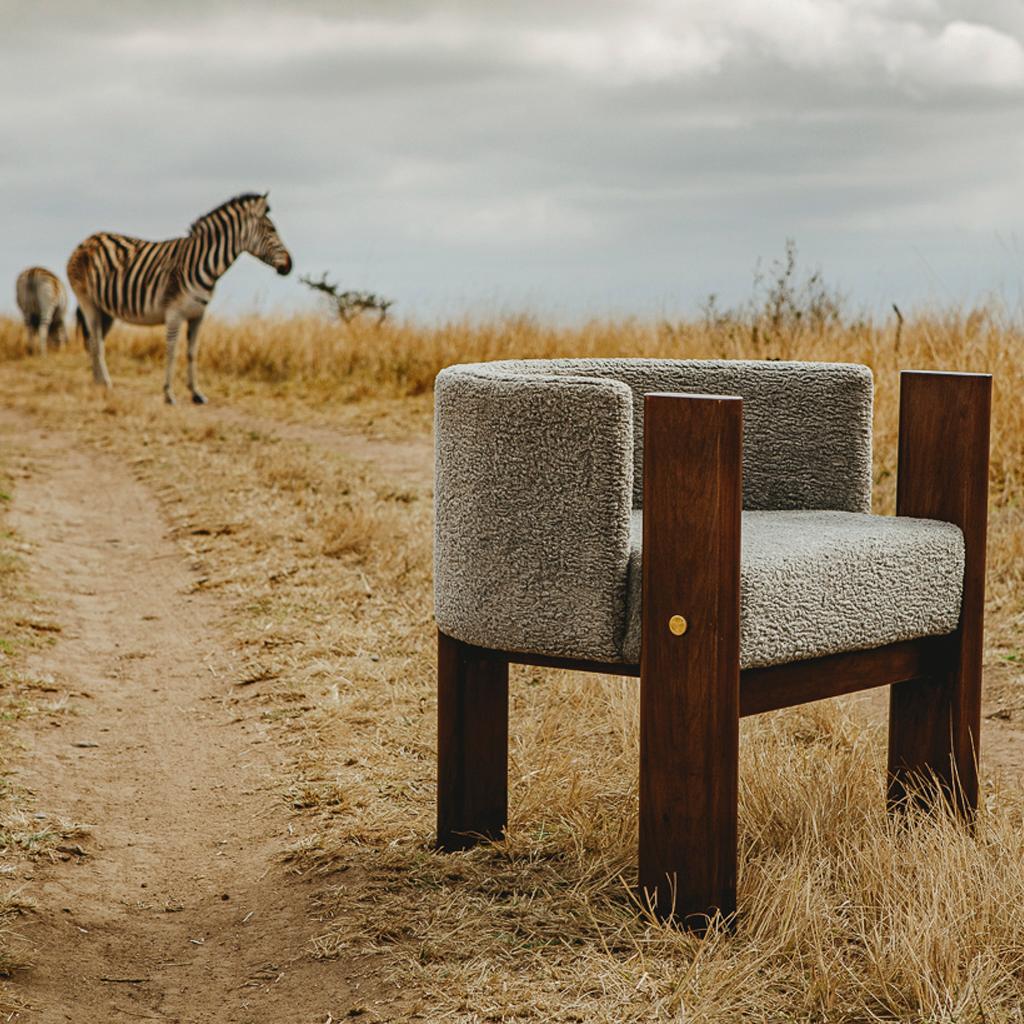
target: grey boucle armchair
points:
(705, 525)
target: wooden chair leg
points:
(472, 744)
(689, 667)
(934, 723)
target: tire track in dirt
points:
(181, 911)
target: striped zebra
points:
(43, 302)
(171, 282)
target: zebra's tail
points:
(83, 327)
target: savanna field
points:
(301, 499)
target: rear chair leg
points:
(933, 730)
(472, 744)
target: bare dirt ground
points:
(179, 908)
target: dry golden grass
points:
(323, 560)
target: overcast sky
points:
(571, 158)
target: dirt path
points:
(181, 909)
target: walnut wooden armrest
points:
(934, 721)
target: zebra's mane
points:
(244, 197)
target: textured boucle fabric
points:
(532, 495)
(806, 426)
(818, 583)
(539, 465)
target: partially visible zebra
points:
(171, 282)
(43, 302)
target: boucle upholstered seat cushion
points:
(817, 583)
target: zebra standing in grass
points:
(171, 282)
(43, 303)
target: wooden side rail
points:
(783, 686)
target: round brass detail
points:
(677, 625)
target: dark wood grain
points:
(607, 668)
(689, 684)
(934, 722)
(472, 744)
(783, 686)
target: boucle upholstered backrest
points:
(807, 426)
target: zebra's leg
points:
(58, 332)
(193, 349)
(173, 327)
(44, 331)
(94, 320)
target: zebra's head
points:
(262, 240)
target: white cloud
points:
(914, 44)
(962, 54)
(278, 37)
(628, 52)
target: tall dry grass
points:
(325, 565)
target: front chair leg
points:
(689, 665)
(934, 723)
(472, 744)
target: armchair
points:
(706, 526)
